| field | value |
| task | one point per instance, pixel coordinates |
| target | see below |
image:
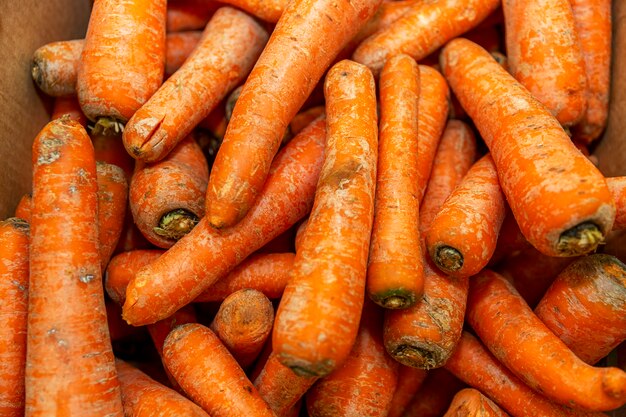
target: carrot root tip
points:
(580, 239)
(614, 383)
(176, 224)
(107, 126)
(416, 357)
(448, 259)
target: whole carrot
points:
(410, 380)
(67, 327)
(517, 337)
(536, 161)
(112, 192)
(230, 44)
(471, 403)
(284, 76)
(435, 396)
(178, 47)
(617, 187)
(23, 209)
(14, 236)
(70, 106)
(313, 338)
(210, 375)
(55, 66)
(205, 255)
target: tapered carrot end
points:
(614, 384)
(221, 215)
(448, 259)
(579, 240)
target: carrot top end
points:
(107, 126)
(176, 224)
(395, 299)
(17, 223)
(448, 259)
(416, 357)
(580, 239)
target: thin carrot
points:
(178, 47)
(302, 119)
(112, 192)
(230, 44)
(110, 149)
(119, 330)
(617, 187)
(510, 240)
(184, 15)
(435, 396)
(536, 160)
(205, 255)
(14, 237)
(210, 375)
(123, 268)
(422, 30)
(284, 76)
(471, 403)
(410, 380)
(585, 306)
(23, 209)
(517, 337)
(69, 106)
(313, 338)
(67, 329)
(55, 66)
(463, 235)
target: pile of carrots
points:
(319, 208)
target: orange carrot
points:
(410, 380)
(617, 187)
(23, 209)
(435, 396)
(210, 375)
(119, 330)
(55, 66)
(314, 338)
(463, 235)
(123, 268)
(110, 149)
(517, 337)
(14, 236)
(585, 306)
(471, 403)
(230, 44)
(67, 329)
(422, 30)
(536, 160)
(112, 192)
(268, 10)
(183, 15)
(205, 255)
(284, 76)
(510, 240)
(178, 47)
(394, 272)
(69, 106)
(302, 119)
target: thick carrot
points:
(617, 186)
(112, 192)
(209, 375)
(585, 306)
(230, 44)
(142, 396)
(110, 149)
(184, 15)
(123, 268)
(167, 198)
(544, 55)
(14, 236)
(284, 76)
(422, 30)
(510, 239)
(123, 59)
(537, 162)
(394, 273)
(410, 380)
(70, 106)
(517, 337)
(302, 119)
(67, 328)
(178, 47)
(23, 209)
(205, 255)
(471, 403)
(463, 235)
(435, 396)
(310, 337)
(55, 66)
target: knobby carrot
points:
(617, 187)
(210, 375)
(510, 240)
(184, 15)
(110, 149)
(394, 273)
(69, 106)
(167, 198)
(585, 306)
(112, 192)
(284, 76)
(517, 337)
(14, 236)
(410, 380)
(435, 396)
(302, 119)
(544, 55)
(67, 328)
(205, 255)
(230, 44)
(471, 403)
(178, 47)
(422, 30)
(55, 66)
(463, 235)
(310, 337)
(23, 209)
(537, 162)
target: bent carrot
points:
(23, 209)
(69, 106)
(112, 192)
(67, 328)
(178, 47)
(205, 255)
(617, 187)
(55, 66)
(284, 76)
(14, 237)
(471, 403)
(515, 335)
(230, 44)
(435, 396)
(410, 380)
(536, 161)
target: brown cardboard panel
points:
(25, 25)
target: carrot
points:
(119, 330)
(284, 76)
(144, 397)
(123, 268)
(471, 403)
(410, 380)
(205, 255)
(210, 375)
(167, 198)
(69, 106)
(123, 59)
(268, 10)
(422, 30)
(178, 47)
(584, 306)
(517, 337)
(110, 149)
(365, 383)
(230, 44)
(617, 187)
(23, 209)
(314, 338)
(435, 396)
(300, 234)
(14, 236)
(184, 15)
(535, 159)
(462, 237)
(302, 119)
(55, 65)
(510, 240)
(112, 192)
(67, 329)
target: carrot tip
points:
(176, 224)
(448, 259)
(107, 126)
(579, 240)
(417, 357)
(614, 383)
(37, 73)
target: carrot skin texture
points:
(435, 396)
(14, 247)
(277, 87)
(65, 265)
(516, 336)
(313, 338)
(230, 44)
(471, 403)
(55, 66)
(112, 193)
(617, 187)
(159, 289)
(410, 380)
(210, 375)
(537, 162)
(178, 47)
